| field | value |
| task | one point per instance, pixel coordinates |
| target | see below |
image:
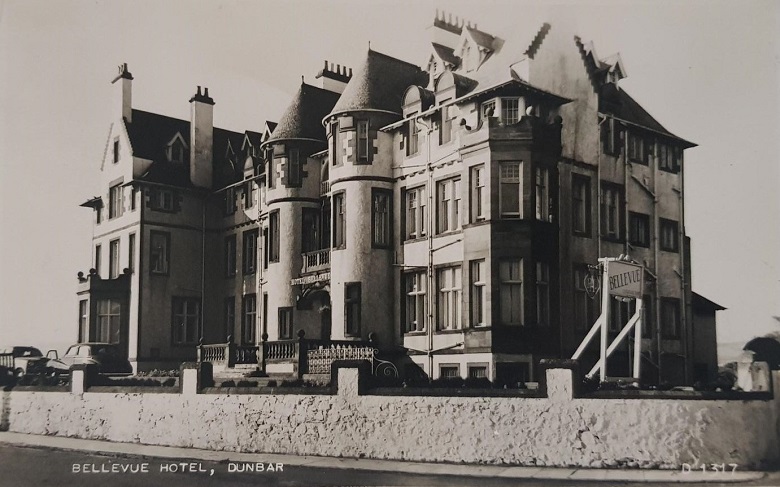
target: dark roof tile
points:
(379, 84)
(447, 54)
(302, 119)
(150, 134)
(616, 102)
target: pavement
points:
(520, 473)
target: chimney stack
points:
(334, 77)
(201, 138)
(123, 94)
(444, 31)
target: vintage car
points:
(22, 360)
(105, 356)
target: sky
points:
(707, 70)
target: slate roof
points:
(150, 134)
(463, 84)
(302, 118)
(379, 84)
(700, 302)
(616, 102)
(255, 138)
(483, 39)
(446, 54)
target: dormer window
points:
(468, 62)
(176, 150)
(412, 136)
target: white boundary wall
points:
(555, 431)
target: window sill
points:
(415, 333)
(340, 247)
(416, 239)
(449, 232)
(671, 251)
(639, 245)
(381, 247)
(612, 239)
(448, 331)
(477, 223)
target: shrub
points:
(478, 383)
(159, 373)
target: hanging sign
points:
(625, 279)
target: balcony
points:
(316, 261)
(532, 131)
(324, 188)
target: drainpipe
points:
(203, 267)
(683, 279)
(626, 166)
(429, 224)
(656, 256)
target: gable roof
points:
(379, 85)
(446, 54)
(254, 138)
(302, 118)
(150, 134)
(699, 302)
(483, 39)
(618, 103)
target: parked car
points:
(23, 360)
(105, 355)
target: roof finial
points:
(303, 81)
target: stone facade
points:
(453, 207)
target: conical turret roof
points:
(302, 118)
(379, 85)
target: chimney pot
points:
(331, 67)
(206, 92)
(199, 91)
(326, 64)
